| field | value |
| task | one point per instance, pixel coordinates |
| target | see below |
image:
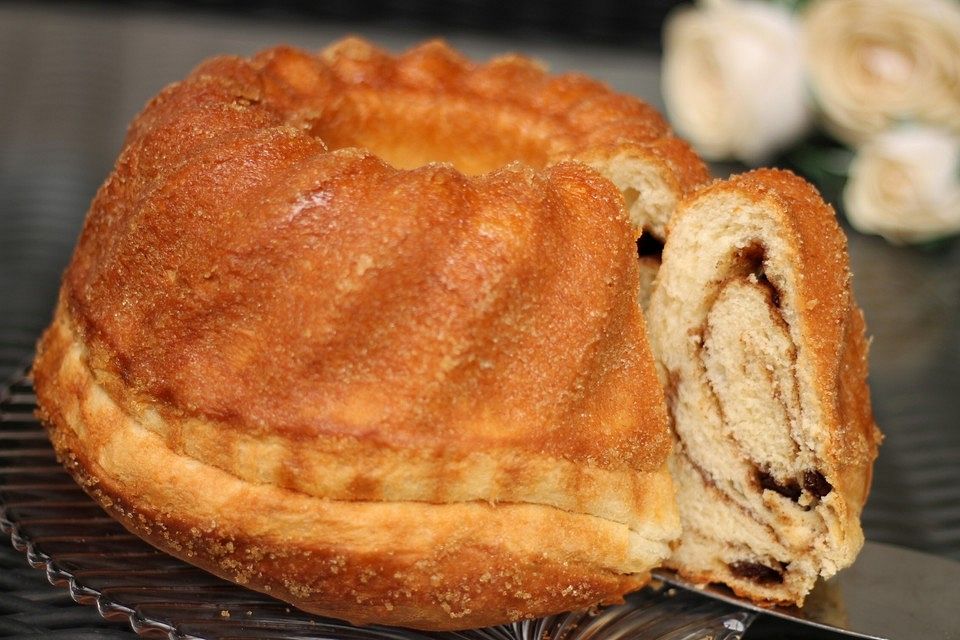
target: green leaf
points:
(796, 6)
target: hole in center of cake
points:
(409, 131)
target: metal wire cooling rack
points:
(63, 532)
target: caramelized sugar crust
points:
(292, 287)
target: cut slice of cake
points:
(761, 349)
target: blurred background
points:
(73, 75)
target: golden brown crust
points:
(436, 566)
(263, 154)
(260, 303)
(857, 437)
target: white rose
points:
(733, 78)
(905, 185)
(875, 62)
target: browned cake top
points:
(246, 271)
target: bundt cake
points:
(359, 331)
(761, 350)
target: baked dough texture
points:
(359, 331)
(762, 354)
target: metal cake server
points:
(890, 593)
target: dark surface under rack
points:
(73, 78)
